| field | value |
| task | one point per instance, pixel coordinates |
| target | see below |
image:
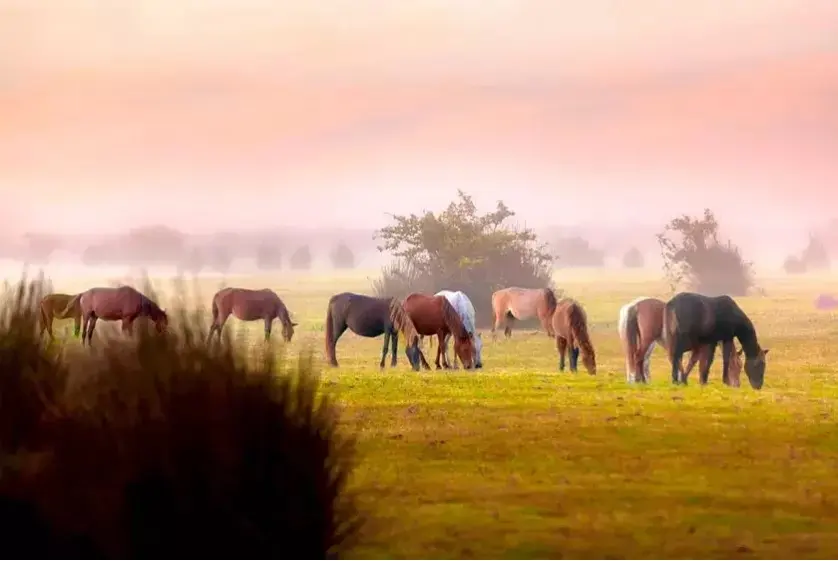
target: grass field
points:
(519, 460)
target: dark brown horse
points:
(640, 326)
(509, 304)
(53, 306)
(570, 326)
(370, 317)
(122, 303)
(691, 321)
(250, 305)
(434, 315)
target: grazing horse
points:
(640, 326)
(465, 310)
(250, 305)
(370, 317)
(514, 303)
(123, 303)
(434, 315)
(692, 320)
(53, 306)
(570, 325)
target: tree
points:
(219, 258)
(343, 258)
(633, 259)
(694, 256)
(577, 252)
(301, 259)
(459, 249)
(40, 247)
(268, 257)
(815, 257)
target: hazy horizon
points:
(250, 114)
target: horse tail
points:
(330, 332)
(669, 325)
(402, 322)
(579, 329)
(71, 306)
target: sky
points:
(220, 114)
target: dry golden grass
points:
(519, 460)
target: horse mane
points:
(452, 319)
(550, 300)
(153, 310)
(402, 322)
(745, 330)
(579, 325)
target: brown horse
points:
(122, 303)
(434, 315)
(640, 326)
(53, 306)
(250, 305)
(570, 325)
(514, 303)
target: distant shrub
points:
(793, 265)
(343, 257)
(301, 259)
(161, 446)
(694, 256)
(815, 256)
(633, 259)
(268, 257)
(577, 252)
(218, 258)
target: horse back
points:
(111, 303)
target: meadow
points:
(519, 460)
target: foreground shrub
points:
(161, 446)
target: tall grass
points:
(163, 446)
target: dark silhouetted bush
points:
(268, 257)
(343, 257)
(160, 446)
(633, 259)
(301, 259)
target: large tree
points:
(461, 249)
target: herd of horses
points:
(688, 322)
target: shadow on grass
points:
(161, 446)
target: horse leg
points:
(128, 325)
(77, 325)
(385, 348)
(445, 356)
(394, 340)
(269, 321)
(727, 349)
(507, 330)
(85, 327)
(704, 370)
(495, 325)
(91, 327)
(439, 351)
(676, 354)
(561, 347)
(217, 325)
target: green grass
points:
(519, 460)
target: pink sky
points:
(213, 114)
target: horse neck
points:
(453, 322)
(747, 337)
(149, 308)
(282, 313)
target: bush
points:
(814, 256)
(793, 265)
(633, 259)
(458, 249)
(162, 446)
(301, 259)
(577, 252)
(343, 258)
(694, 256)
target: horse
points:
(465, 309)
(52, 306)
(250, 305)
(370, 317)
(692, 320)
(523, 303)
(640, 326)
(570, 326)
(123, 303)
(434, 315)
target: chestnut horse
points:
(250, 305)
(122, 303)
(53, 306)
(514, 303)
(570, 325)
(693, 320)
(434, 315)
(370, 317)
(640, 326)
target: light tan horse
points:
(55, 306)
(509, 304)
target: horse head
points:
(161, 321)
(755, 368)
(288, 330)
(413, 353)
(478, 350)
(464, 347)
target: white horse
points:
(465, 310)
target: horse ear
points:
(294, 324)
(764, 352)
